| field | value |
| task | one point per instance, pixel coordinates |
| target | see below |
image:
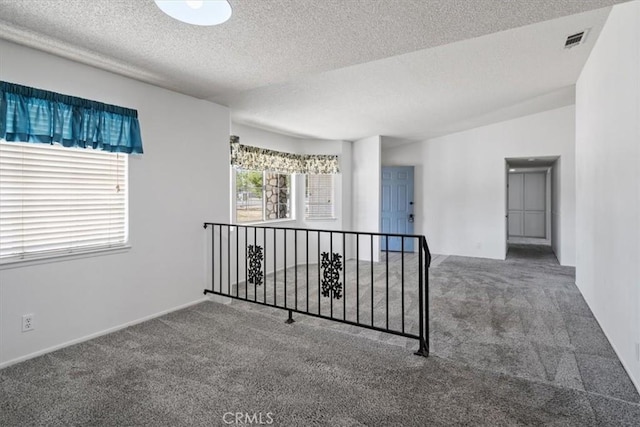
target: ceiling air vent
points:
(574, 40)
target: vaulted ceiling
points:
(334, 69)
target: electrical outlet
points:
(28, 322)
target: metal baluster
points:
(331, 259)
(237, 261)
(213, 258)
(357, 278)
(319, 305)
(307, 259)
(387, 267)
(264, 285)
(402, 280)
(255, 248)
(421, 350)
(246, 262)
(285, 267)
(426, 297)
(275, 268)
(372, 280)
(229, 260)
(220, 244)
(344, 277)
(295, 262)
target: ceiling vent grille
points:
(574, 40)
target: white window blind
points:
(319, 197)
(59, 200)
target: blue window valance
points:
(33, 115)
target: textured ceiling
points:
(286, 48)
(431, 92)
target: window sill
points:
(328, 219)
(59, 257)
(266, 223)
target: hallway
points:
(523, 317)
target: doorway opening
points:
(532, 188)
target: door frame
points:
(549, 164)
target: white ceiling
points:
(334, 69)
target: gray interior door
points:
(516, 204)
(535, 204)
(527, 204)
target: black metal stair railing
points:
(345, 276)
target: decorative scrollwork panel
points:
(255, 256)
(331, 266)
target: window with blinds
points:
(60, 200)
(319, 197)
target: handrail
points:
(427, 251)
(315, 230)
(425, 344)
(250, 248)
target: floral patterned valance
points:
(254, 158)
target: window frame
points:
(78, 251)
(234, 197)
(332, 216)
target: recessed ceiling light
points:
(531, 160)
(512, 170)
(197, 12)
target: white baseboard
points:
(98, 334)
(219, 299)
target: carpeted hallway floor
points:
(513, 342)
(523, 317)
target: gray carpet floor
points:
(367, 300)
(524, 317)
(513, 344)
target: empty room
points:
(319, 212)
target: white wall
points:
(608, 182)
(366, 191)
(264, 139)
(180, 181)
(460, 181)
